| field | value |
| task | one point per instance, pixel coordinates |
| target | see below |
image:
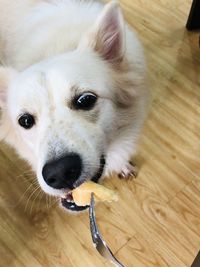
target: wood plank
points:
(141, 253)
(187, 204)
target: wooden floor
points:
(157, 221)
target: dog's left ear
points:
(107, 35)
(6, 75)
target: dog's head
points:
(60, 113)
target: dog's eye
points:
(26, 121)
(85, 101)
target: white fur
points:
(53, 46)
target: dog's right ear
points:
(6, 75)
(106, 36)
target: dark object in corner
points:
(193, 22)
(196, 262)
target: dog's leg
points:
(129, 171)
(118, 159)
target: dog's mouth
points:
(68, 202)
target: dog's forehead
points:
(81, 70)
(60, 77)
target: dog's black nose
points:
(62, 172)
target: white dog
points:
(73, 96)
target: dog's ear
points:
(107, 35)
(6, 75)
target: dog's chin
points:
(68, 202)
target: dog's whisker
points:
(34, 200)
(50, 201)
(30, 196)
(27, 171)
(25, 181)
(47, 201)
(54, 202)
(23, 178)
(46, 204)
(41, 197)
(25, 192)
(23, 175)
(30, 203)
(26, 177)
(30, 183)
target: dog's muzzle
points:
(68, 202)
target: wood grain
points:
(157, 221)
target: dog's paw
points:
(129, 171)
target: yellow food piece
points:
(82, 194)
